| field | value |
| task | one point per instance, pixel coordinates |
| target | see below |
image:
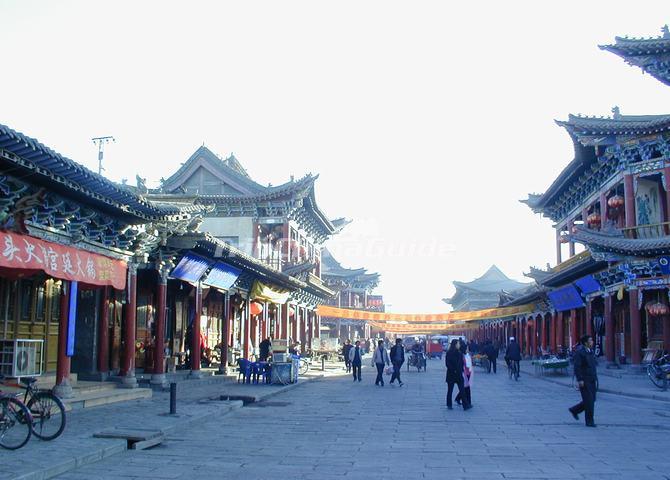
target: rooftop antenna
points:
(100, 142)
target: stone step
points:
(105, 396)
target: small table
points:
(551, 364)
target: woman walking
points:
(379, 359)
(454, 362)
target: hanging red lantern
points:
(593, 219)
(616, 202)
(255, 308)
(657, 309)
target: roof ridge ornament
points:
(665, 31)
(616, 113)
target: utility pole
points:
(100, 142)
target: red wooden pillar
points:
(303, 329)
(225, 334)
(127, 373)
(629, 199)
(603, 209)
(158, 376)
(247, 332)
(574, 331)
(103, 335)
(560, 330)
(536, 325)
(554, 323)
(310, 329)
(589, 317)
(284, 321)
(609, 329)
(63, 387)
(635, 328)
(196, 353)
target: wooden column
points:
(284, 321)
(158, 377)
(629, 199)
(127, 373)
(571, 245)
(635, 328)
(246, 351)
(589, 317)
(196, 352)
(536, 323)
(225, 334)
(554, 323)
(558, 245)
(574, 331)
(609, 329)
(63, 387)
(303, 328)
(560, 332)
(603, 209)
(103, 334)
(543, 338)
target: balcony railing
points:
(654, 230)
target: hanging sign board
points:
(23, 252)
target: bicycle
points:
(658, 371)
(303, 367)
(15, 423)
(513, 369)
(46, 410)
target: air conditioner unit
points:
(21, 357)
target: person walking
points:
(379, 359)
(397, 359)
(491, 353)
(587, 378)
(345, 353)
(454, 362)
(356, 357)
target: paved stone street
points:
(334, 428)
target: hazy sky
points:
(427, 121)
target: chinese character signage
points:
(22, 252)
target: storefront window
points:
(26, 299)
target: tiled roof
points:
(493, 280)
(615, 242)
(617, 125)
(650, 54)
(229, 167)
(44, 165)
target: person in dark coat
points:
(513, 354)
(345, 353)
(491, 353)
(587, 378)
(264, 349)
(356, 358)
(454, 363)
(397, 359)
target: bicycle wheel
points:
(48, 415)
(15, 423)
(304, 367)
(656, 376)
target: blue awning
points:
(588, 284)
(191, 268)
(222, 276)
(566, 298)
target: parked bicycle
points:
(15, 422)
(659, 371)
(46, 410)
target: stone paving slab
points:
(76, 447)
(335, 428)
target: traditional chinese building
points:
(353, 287)
(278, 230)
(482, 292)
(611, 200)
(71, 242)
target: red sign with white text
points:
(22, 252)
